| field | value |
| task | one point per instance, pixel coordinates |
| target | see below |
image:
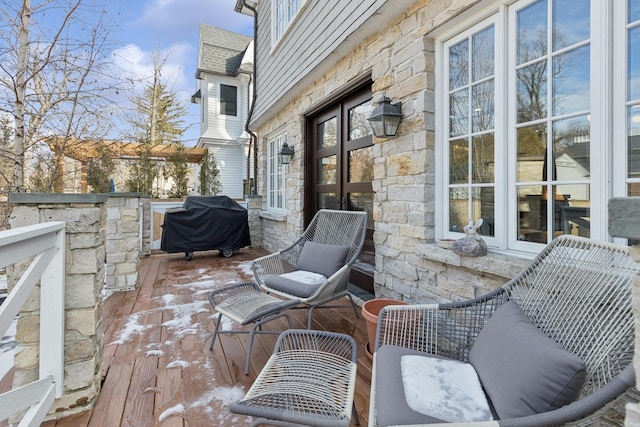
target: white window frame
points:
(219, 103)
(608, 160)
(290, 10)
(276, 175)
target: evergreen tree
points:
(179, 171)
(209, 176)
(142, 172)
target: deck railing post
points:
(52, 308)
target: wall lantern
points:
(385, 118)
(286, 153)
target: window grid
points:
(283, 13)
(275, 174)
(573, 134)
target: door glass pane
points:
(531, 92)
(327, 133)
(571, 22)
(362, 202)
(532, 32)
(482, 55)
(358, 124)
(483, 106)
(459, 113)
(571, 213)
(633, 72)
(532, 143)
(459, 65)
(361, 165)
(571, 149)
(483, 166)
(328, 201)
(459, 161)
(458, 208)
(327, 171)
(571, 81)
(483, 207)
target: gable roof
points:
(220, 51)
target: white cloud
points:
(176, 16)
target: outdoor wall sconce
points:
(286, 153)
(385, 118)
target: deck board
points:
(157, 366)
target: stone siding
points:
(86, 216)
(128, 214)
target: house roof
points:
(221, 51)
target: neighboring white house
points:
(224, 91)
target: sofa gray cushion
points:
(523, 371)
(398, 397)
(299, 283)
(321, 258)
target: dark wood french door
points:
(340, 155)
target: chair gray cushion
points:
(298, 283)
(399, 402)
(321, 258)
(523, 371)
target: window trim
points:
(273, 148)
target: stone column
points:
(254, 205)
(85, 215)
(128, 237)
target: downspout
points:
(253, 140)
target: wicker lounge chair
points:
(551, 346)
(315, 268)
(308, 380)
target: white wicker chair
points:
(309, 380)
(344, 229)
(576, 291)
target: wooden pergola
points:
(85, 150)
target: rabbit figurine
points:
(472, 244)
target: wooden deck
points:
(157, 367)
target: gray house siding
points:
(322, 33)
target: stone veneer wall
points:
(254, 203)
(128, 231)
(86, 217)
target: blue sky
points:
(172, 27)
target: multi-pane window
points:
(228, 100)
(275, 174)
(632, 96)
(283, 13)
(528, 142)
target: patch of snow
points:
(174, 410)
(245, 267)
(225, 395)
(132, 327)
(168, 299)
(157, 353)
(178, 364)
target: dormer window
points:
(228, 100)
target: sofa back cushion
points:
(523, 371)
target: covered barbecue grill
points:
(205, 223)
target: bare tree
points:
(54, 78)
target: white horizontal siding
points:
(231, 161)
(221, 127)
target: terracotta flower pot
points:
(370, 311)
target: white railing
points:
(45, 244)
